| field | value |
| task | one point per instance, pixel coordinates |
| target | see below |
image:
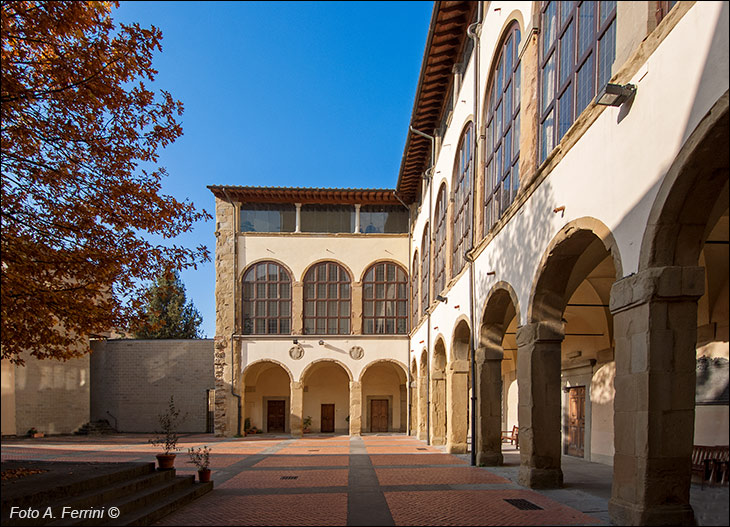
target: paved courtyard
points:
(370, 480)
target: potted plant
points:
(167, 438)
(200, 457)
(33, 432)
(307, 424)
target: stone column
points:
(489, 410)
(403, 408)
(422, 407)
(356, 308)
(355, 408)
(655, 325)
(457, 402)
(296, 409)
(539, 409)
(226, 408)
(438, 408)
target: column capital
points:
(669, 283)
(488, 352)
(540, 332)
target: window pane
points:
(606, 54)
(515, 179)
(548, 82)
(285, 309)
(507, 151)
(369, 327)
(327, 218)
(546, 136)
(260, 326)
(508, 57)
(285, 290)
(567, 54)
(548, 26)
(506, 188)
(517, 82)
(508, 105)
(584, 89)
(344, 326)
(565, 113)
(565, 9)
(383, 219)
(284, 326)
(516, 136)
(344, 290)
(322, 308)
(332, 309)
(586, 27)
(606, 9)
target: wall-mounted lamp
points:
(442, 299)
(321, 342)
(295, 341)
(615, 94)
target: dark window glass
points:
(414, 291)
(327, 305)
(425, 270)
(439, 246)
(463, 174)
(586, 44)
(266, 300)
(383, 219)
(503, 133)
(385, 310)
(327, 218)
(268, 217)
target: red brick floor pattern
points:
(415, 459)
(269, 509)
(415, 449)
(311, 460)
(473, 507)
(271, 479)
(437, 476)
(314, 450)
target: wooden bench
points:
(512, 437)
(710, 463)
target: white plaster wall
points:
(601, 400)
(298, 251)
(381, 380)
(336, 347)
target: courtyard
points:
(383, 479)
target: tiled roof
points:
(366, 196)
(446, 38)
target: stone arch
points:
(328, 260)
(680, 213)
(501, 310)
(309, 366)
(439, 413)
(249, 265)
(379, 261)
(551, 284)
(266, 396)
(384, 396)
(461, 340)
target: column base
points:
(490, 459)
(457, 448)
(625, 513)
(421, 436)
(540, 478)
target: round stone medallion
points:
(296, 352)
(356, 352)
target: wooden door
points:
(275, 416)
(328, 418)
(576, 420)
(379, 415)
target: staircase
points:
(141, 494)
(95, 428)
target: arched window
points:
(327, 300)
(502, 160)
(463, 174)
(414, 291)
(425, 270)
(439, 239)
(577, 50)
(385, 300)
(266, 300)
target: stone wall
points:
(133, 380)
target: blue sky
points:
(282, 94)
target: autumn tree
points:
(167, 313)
(81, 189)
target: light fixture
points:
(295, 341)
(321, 342)
(442, 299)
(615, 94)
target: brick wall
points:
(133, 380)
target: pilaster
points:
(489, 412)
(296, 409)
(457, 401)
(355, 408)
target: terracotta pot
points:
(204, 475)
(166, 461)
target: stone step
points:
(160, 509)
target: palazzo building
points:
(554, 256)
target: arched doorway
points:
(496, 363)
(458, 385)
(326, 397)
(266, 397)
(384, 397)
(439, 413)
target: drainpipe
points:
(234, 334)
(429, 179)
(410, 311)
(472, 31)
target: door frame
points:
(334, 413)
(265, 412)
(368, 411)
